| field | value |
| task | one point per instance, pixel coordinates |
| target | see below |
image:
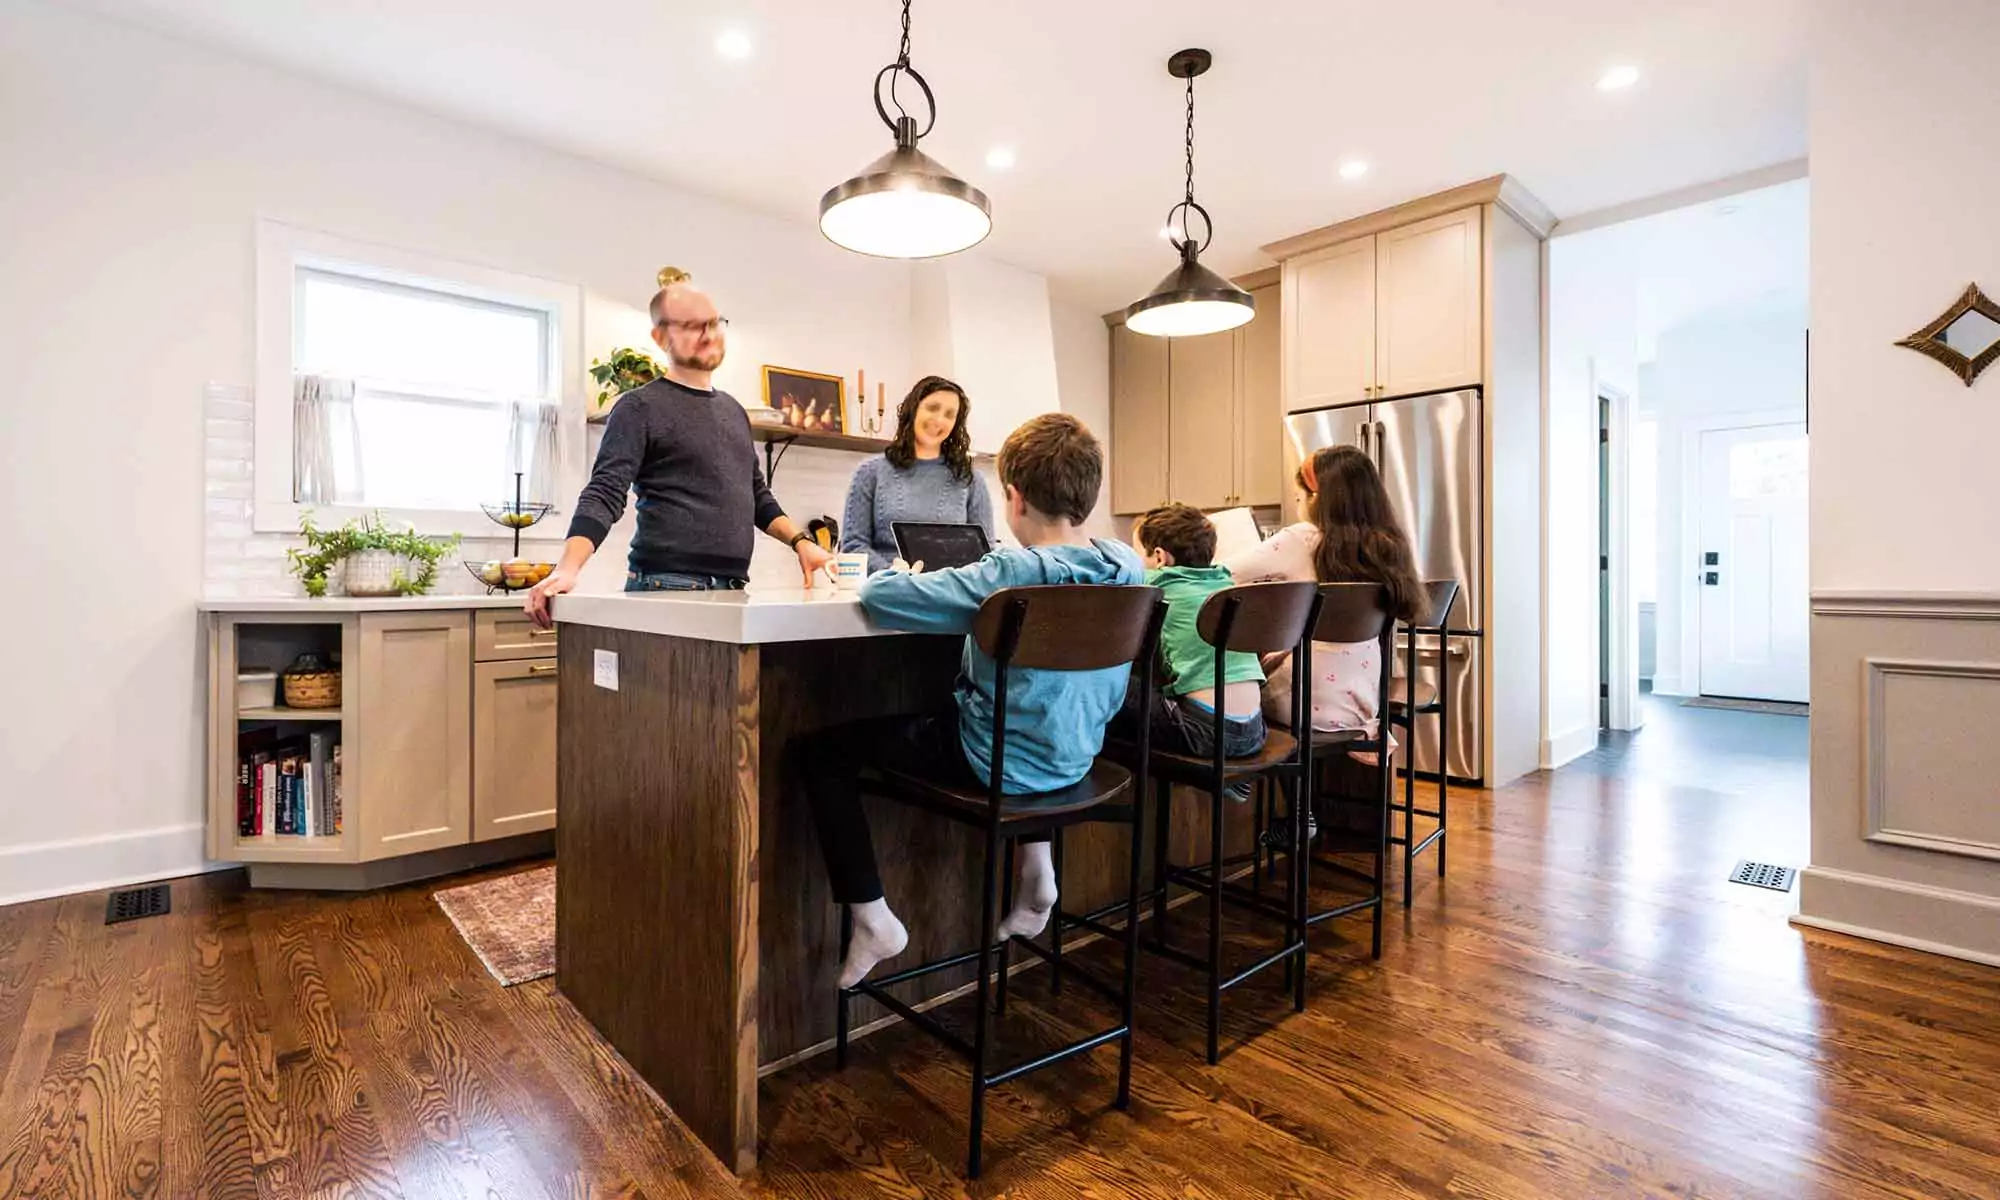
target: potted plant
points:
(375, 560)
(624, 370)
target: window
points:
(414, 387)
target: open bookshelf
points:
(273, 790)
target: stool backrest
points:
(1353, 612)
(1439, 596)
(1257, 618)
(1066, 627)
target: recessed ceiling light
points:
(1000, 157)
(733, 43)
(1353, 168)
(1618, 78)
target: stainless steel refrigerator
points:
(1429, 450)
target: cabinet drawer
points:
(507, 633)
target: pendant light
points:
(905, 204)
(1192, 299)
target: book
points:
(252, 749)
(333, 791)
(288, 794)
(267, 794)
(321, 778)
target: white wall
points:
(138, 167)
(1083, 379)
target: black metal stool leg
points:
(1444, 772)
(1131, 956)
(1006, 944)
(1258, 801)
(841, 995)
(1056, 918)
(1387, 789)
(1295, 889)
(1410, 804)
(1215, 927)
(983, 1028)
(1162, 829)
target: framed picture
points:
(807, 400)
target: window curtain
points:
(531, 446)
(326, 441)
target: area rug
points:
(509, 922)
(1782, 708)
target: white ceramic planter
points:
(374, 573)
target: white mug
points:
(848, 570)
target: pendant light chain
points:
(903, 55)
(1190, 142)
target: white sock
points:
(1034, 894)
(877, 935)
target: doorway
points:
(1753, 586)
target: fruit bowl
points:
(517, 515)
(510, 576)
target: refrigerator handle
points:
(1361, 439)
(1381, 435)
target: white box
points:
(257, 689)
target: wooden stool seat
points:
(1106, 782)
(1279, 748)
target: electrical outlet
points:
(604, 669)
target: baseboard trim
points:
(1915, 916)
(1667, 685)
(40, 870)
(1568, 747)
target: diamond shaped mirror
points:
(1966, 337)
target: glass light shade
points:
(1192, 300)
(905, 204)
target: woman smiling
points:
(925, 474)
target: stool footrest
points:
(1059, 1054)
(1341, 910)
(1071, 971)
(919, 971)
(921, 1020)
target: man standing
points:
(685, 448)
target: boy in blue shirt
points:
(1050, 469)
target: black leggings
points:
(830, 766)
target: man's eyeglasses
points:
(714, 325)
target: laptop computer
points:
(939, 545)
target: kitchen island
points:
(694, 924)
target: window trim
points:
(282, 250)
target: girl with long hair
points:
(925, 475)
(1350, 536)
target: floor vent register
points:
(130, 904)
(1764, 875)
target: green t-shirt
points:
(1191, 659)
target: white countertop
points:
(349, 604)
(747, 618)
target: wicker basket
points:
(312, 689)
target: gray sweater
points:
(926, 490)
(702, 496)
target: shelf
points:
(818, 438)
(282, 713)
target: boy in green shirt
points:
(1178, 544)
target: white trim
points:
(1953, 606)
(1896, 939)
(39, 870)
(281, 250)
(1663, 684)
(1715, 189)
(1623, 635)
(1687, 573)
(1568, 747)
(1900, 913)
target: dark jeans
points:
(829, 765)
(1180, 726)
(678, 581)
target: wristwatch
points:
(798, 537)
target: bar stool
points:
(1073, 627)
(1349, 612)
(1256, 618)
(1404, 707)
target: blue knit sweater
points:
(926, 490)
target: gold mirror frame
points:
(1925, 341)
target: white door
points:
(1752, 562)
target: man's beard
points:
(698, 362)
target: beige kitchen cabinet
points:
(415, 731)
(1427, 310)
(1387, 314)
(1201, 413)
(1329, 323)
(1199, 420)
(1138, 421)
(1260, 404)
(446, 734)
(513, 747)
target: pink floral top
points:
(1346, 675)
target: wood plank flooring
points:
(1583, 1009)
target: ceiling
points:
(1080, 91)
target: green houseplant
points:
(624, 370)
(325, 548)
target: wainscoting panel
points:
(1906, 770)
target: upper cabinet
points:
(1199, 420)
(1387, 314)
(1427, 330)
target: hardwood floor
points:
(1583, 1009)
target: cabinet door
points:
(1201, 412)
(1427, 311)
(414, 735)
(1260, 405)
(513, 748)
(1329, 326)
(1138, 421)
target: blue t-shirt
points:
(1055, 719)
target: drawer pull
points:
(542, 669)
(537, 632)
